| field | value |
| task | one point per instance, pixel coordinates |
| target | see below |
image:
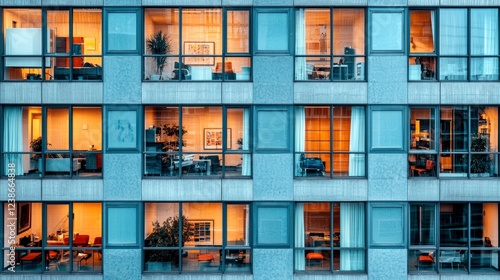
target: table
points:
(237, 260)
(31, 257)
(450, 257)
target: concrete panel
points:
(331, 190)
(388, 177)
(470, 3)
(470, 190)
(72, 276)
(237, 190)
(179, 190)
(196, 276)
(122, 3)
(468, 277)
(72, 93)
(388, 264)
(387, 2)
(7, 3)
(424, 277)
(72, 190)
(387, 82)
(201, 3)
(336, 276)
(423, 2)
(272, 264)
(18, 276)
(122, 176)
(271, 84)
(25, 190)
(21, 93)
(72, 3)
(245, 3)
(272, 3)
(424, 93)
(181, 93)
(237, 93)
(122, 76)
(423, 190)
(324, 93)
(330, 2)
(123, 263)
(273, 177)
(470, 93)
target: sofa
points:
(61, 164)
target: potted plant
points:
(480, 163)
(173, 131)
(159, 44)
(240, 143)
(166, 234)
(36, 146)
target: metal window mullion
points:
(331, 111)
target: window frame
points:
(404, 127)
(373, 243)
(138, 221)
(404, 15)
(139, 34)
(289, 14)
(289, 220)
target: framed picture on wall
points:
(202, 232)
(200, 50)
(122, 129)
(213, 139)
(23, 217)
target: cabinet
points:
(94, 161)
(62, 46)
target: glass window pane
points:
(422, 165)
(484, 234)
(57, 129)
(272, 32)
(122, 31)
(484, 68)
(387, 31)
(238, 225)
(422, 129)
(238, 31)
(387, 129)
(23, 36)
(453, 225)
(453, 31)
(454, 129)
(122, 226)
(484, 32)
(58, 223)
(348, 32)
(422, 30)
(422, 68)
(201, 26)
(87, 128)
(313, 31)
(453, 68)
(422, 225)
(387, 226)
(87, 24)
(272, 226)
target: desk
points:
(450, 257)
(237, 260)
(31, 257)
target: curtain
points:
(352, 234)
(484, 41)
(300, 262)
(357, 142)
(433, 28)
(300, 45)
(13, 138)
(246, 165)
(453, 31)
(247, 225)
(300, 136)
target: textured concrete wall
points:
(7, 3)
(21, 93)
(72, 3)
(201, 3)
(388, 175)
(72, 93)
(179, 190)
(181, 93)
(122, 176)
(121, 264)
(470, 93)
(388, 264)
(470, 190)
(387, 2)
(122, 80)
(237, 190)
(26, 190)
(72, 190)
(424, 93)
(387, 79)
(330, 2)
(272, 264)
(237, 93)
(327, 93)
(271, 84)
(272, 177)
(331, 190)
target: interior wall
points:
(490, 222)
(88, 219)
(236, 215)
(87, 128)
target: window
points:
(70, 43)
(387, 29)
(330, 236)
(272, 31)
(468, 237)
(197, 141)
(122, 29)
(68, 242)
(468, 44)
(215, 44)
(330, 141)
(422, 48)
(387, 129)
(37, 152)
(467, 142)
(330, 50)
(214, 237)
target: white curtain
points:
(300, 45)
(357, 142)
(433, 27)
(300, 262)
(246, 165)
(352, 234)
(453, 31)
(13, 138)
(300, 136)
(247, 225)
(484, 41)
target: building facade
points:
(250, 139)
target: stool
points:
(31, 257)
(314, 257)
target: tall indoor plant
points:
(480, 163)
(166, 234)
(159, 44)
